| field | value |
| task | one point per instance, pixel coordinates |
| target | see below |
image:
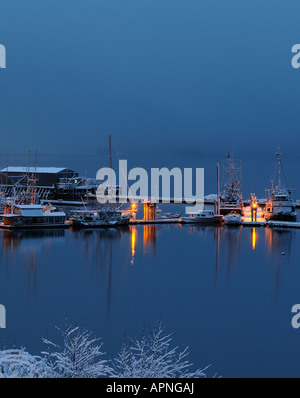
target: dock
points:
(158, 221)
(254, 223)
(283, 224)
(251, 224)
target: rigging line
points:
(284, 175)
(272, 179)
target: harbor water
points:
(226, 292)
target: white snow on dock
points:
(283, 224)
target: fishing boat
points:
(168, 215)
(32, 216)
(233, 219)
(204, 217)
(279, 204)
(99, 218)
(231, 198)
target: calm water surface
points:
(225, 292)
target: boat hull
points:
(191, 220)
(34, 226)
(74, 223)
(281, 217)
(227, 210)
(233, 219)
(232, 223)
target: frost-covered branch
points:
(80, 355)
(20, 364)
(153, 357)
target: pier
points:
(251, 224)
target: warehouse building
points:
(45, 176)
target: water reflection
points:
(279, 241)
(133, 242)
(253, 238)
(106, 254)
(107, 277)
(149, 238)
(228, 247)
(95, 244)
(99, 246)
(12, 240)
(279, 244)
(30, 244)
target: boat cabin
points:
(202, 214)
(33, 215)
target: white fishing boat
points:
(32, 216)
(99, 218)
(204, 217)
(279, 205)
(169, 215)
(231, 197)
(233, 219)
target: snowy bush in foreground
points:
(80, 356)
(152, 357)
(20, 364)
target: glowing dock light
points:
(133, 211)
(253, 206)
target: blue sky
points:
(192, 78)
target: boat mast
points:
(34, 181)
(218, 188)
(279, 168)
(28, 179)
(110, 166)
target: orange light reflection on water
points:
(133, 241)
(254, 238)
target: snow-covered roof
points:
(31, 210)
(37, 211)
(28, 207)
(213, 197)
(39, 170)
